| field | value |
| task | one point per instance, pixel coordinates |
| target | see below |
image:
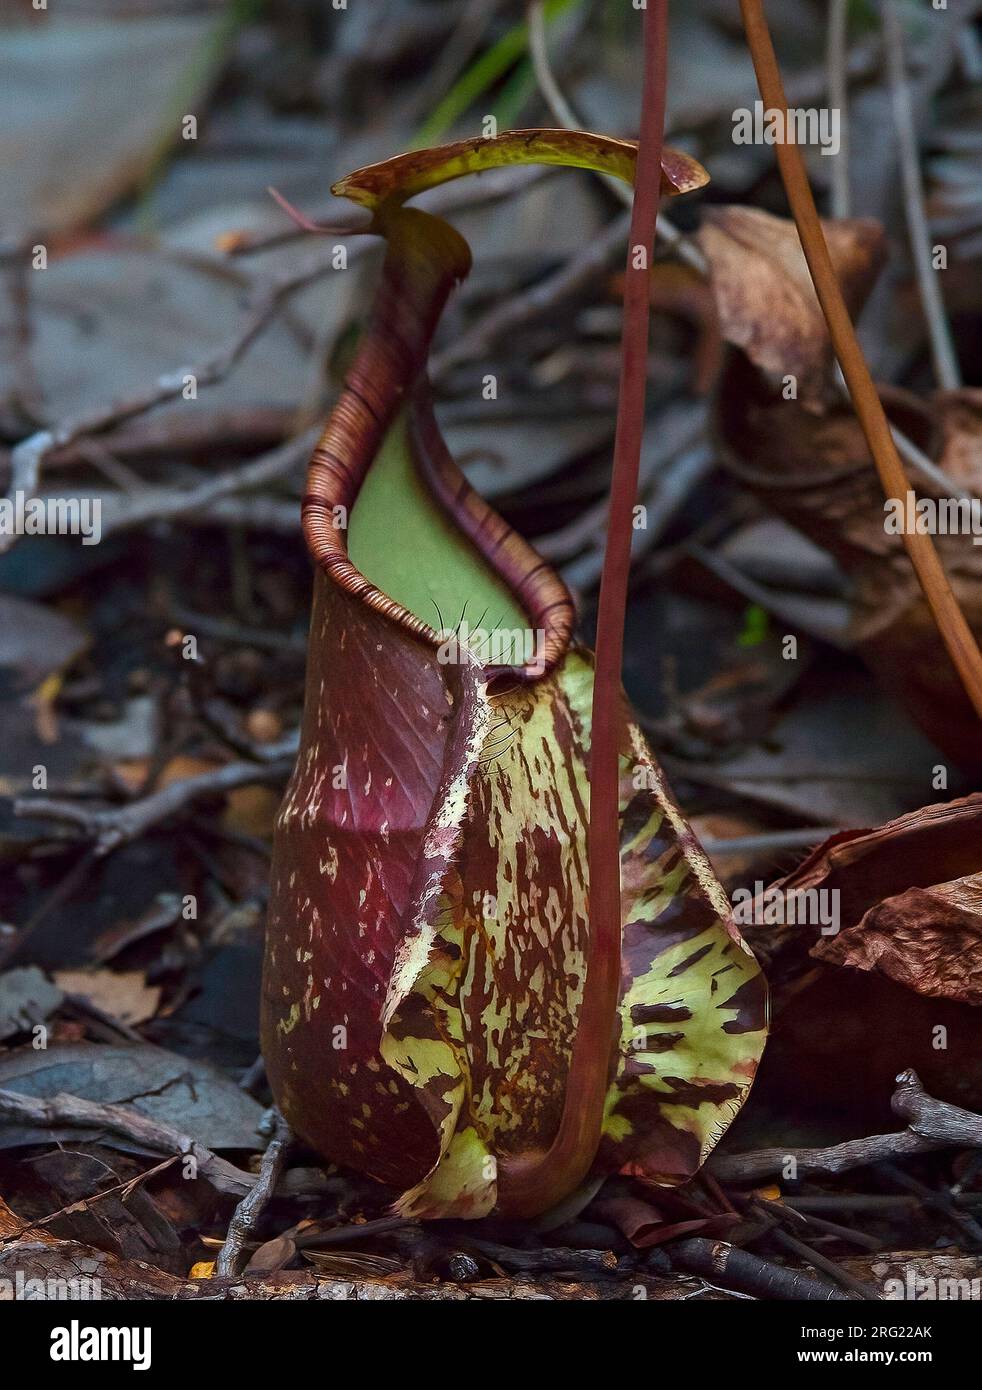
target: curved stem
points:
(530, 1183)
(954, 630)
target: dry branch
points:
(77, 1113)
(932, 1125)
(246, 1215)
(114, 827)
(27, 459)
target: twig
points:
(941, 1202)
(810, 1163)
(97, 1020)
(115, 827)
(237, 634)
(918, 459)
(770, 840)
(934, 1119)
(520, 309)
(253, 511)
(246, 1215)
(826, 1265)
(734, 1268)
(849, 1201)
(76, 1113)
(353, 1230)
(835, 57)
(28, 457)
(83, 1203)
(550, 88)
(779, 1217)
(822, 622)
(554, 1259)
(672, 462)
(663, 495)
(932, 1125)
(492, 186)
(833, 1228)
(243, 428)
(120, 512)
(563, 112)
(947, 614)
(943, 353)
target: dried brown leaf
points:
(929, 939)
(807, 457)
(764, 295)
(123, 994)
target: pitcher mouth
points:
(534, 585)
(425, 259)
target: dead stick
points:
(115, 827)
(827, 1266)
(940, 1202)
(934, 1119)
(28, 457)
(246, 1215)
(556, 1259)
(932, 1125)
(76, 1113)
(120, 512)
(722, 1263)
(84, 1203)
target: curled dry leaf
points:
(934, 844)
(906, 900)
(764, 295)
(428, 940)
(806, 456)
(646, 1225)
(929, 939)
